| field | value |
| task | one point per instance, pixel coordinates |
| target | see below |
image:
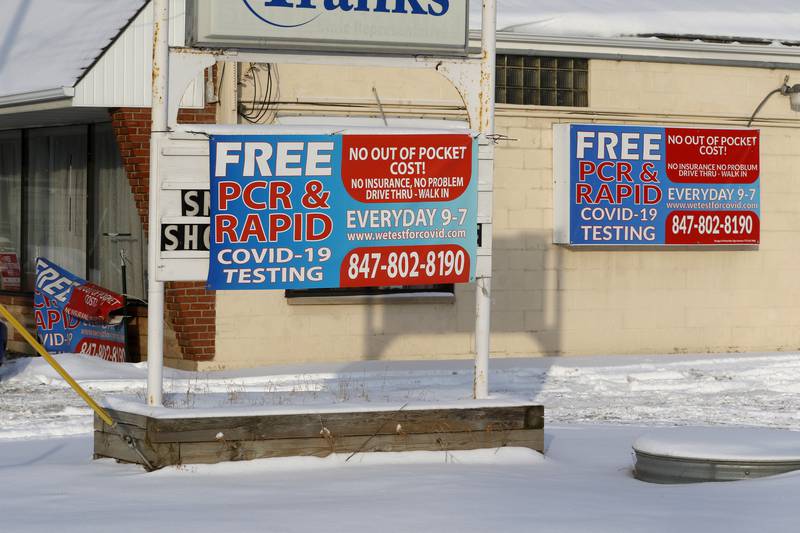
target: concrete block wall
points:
(653, 300)
(549, 299)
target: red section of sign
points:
(712, 156)
(405, 265)
(93, 303)
(10, 272)
(712, 227)
(110, 351)
(406, 168)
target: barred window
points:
(534, 80)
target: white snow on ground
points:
(748, 390)
(771, 19)
(595, 409)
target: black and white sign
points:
(185, 237)
(190, 231)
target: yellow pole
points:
(57, 367)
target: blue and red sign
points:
(328, 211)
(641, 185)
(61, 332)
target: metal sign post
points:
(175, 149)
(483, 292)
(155, 288)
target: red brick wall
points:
(192, 310)
(132, 130)
(190, 307)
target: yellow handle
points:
(58, 368)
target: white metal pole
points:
(483, 293)
(155, 289)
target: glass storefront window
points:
(56, 199)
(10, 191)
(116, 229)
(64, 195)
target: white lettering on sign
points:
(612, 145)
(185, 237)
(53, 284)
(195, 203)
(284, 159)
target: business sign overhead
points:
(327, 211)
(644, 185)
(392, 26)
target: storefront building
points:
(73, 188)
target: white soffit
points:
(121, 78)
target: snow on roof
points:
(769, 20)
(48, 44)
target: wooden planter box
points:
(173, 441)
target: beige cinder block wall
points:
(547, 299)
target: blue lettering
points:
(443, 4)
(400, 7)
(436, 8)
(381, 7)
(344, 5)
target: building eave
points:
(33, 97)
(649, 49)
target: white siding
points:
(121, 78)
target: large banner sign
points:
(643, 185)
(61, 332)
(327, 211)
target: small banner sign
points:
(10, 272)
(58, 330)
(644, 185)
(329, 211)
(93, 303)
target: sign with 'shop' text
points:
(645, 185)
(329, 211)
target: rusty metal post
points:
(155, 289)
(483, 292)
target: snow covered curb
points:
(219, 405)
